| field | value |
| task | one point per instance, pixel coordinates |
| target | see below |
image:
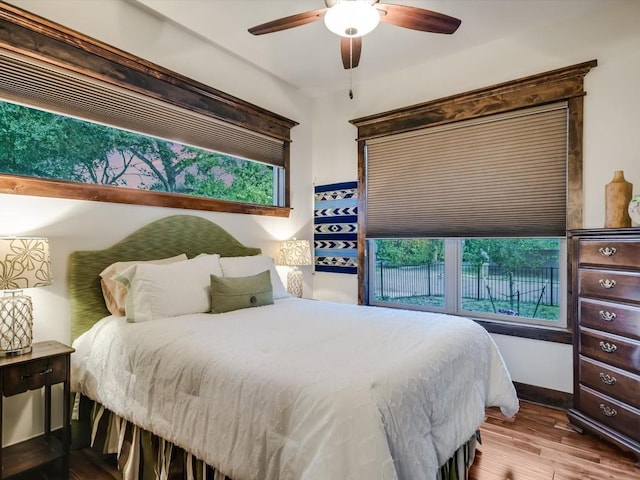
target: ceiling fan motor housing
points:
(352, 18)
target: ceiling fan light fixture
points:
(352, 18)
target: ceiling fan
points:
(351, 19)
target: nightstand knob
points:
(40, 374)
(607, 251)
(607, 316)
(608, 411)
(607, 283)
(608, 347)
(607, 379)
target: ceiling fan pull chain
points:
(351, 68)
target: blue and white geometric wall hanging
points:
(336, 227)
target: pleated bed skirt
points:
(141, 455)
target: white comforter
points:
(301, 389)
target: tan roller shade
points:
(41, 85)
(502, 175)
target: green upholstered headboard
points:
(163, 238)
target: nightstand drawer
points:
(610, 285)
(624, 418)
(610, 317)
(611, 381)
(611, 349)
(32, 375)
(46, 364)
(609, 253)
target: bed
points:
(293, 389)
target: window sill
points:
(16, 184)
(534, 332)
(547, 334)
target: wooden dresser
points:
(605, 313)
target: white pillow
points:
(158, 291)
(252, 265)
(115, 293)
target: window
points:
(54, 69)
(501, 176)
(79, 151)
(461, 181)
(505, 279)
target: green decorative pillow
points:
(234, 293)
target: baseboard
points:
(544, 396)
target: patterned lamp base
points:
(294, 282)
(16, 322)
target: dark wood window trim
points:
(34, 37)
(564, 84)
(557, 335)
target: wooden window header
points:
(35, 37)
(553, 86)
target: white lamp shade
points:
(24, 263)
(295, 252)
(352, 18)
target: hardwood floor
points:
(540, 445)
(537, 445)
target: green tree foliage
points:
(409, 251)
(507, 253)
(46, 145)
(221, 176)
(510, 253)
(33, 143)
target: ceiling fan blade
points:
(417, 18)
(288, 22)
(350, 49)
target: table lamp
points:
(295, 253)
(24, 263)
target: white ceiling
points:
(308, 57)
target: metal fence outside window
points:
(484, 282)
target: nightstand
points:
(47, 364)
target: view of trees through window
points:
(495, 277)
(45, 145)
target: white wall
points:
(611, 133)
(324, 150)
(72, 225)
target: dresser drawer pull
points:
(41, 374)
(607, 379)
(608, 411)
(607, 316)
(608, 347)
(606, 283)
(607, 251)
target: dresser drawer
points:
(611, 349)
(610, 285)
(611, 381)
(609, 253)
(624, 418)
(610, 317)
(31, 375)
